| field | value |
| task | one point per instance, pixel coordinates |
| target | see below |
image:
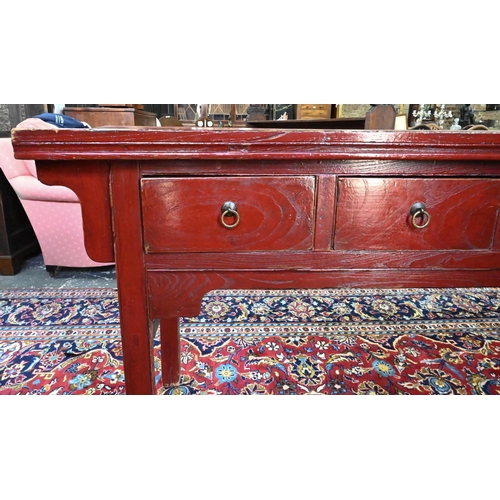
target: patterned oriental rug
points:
(334, 341)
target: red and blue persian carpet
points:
(335, 341)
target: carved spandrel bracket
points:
(90, 182)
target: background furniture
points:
(170, 121)
(314, 111)
(13, 114)
(17, 238)
(379, 117)
(232, 115)
(53, 211)
(121, 115)
(201, 209)
(323, 123)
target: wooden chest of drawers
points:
(313, 111)
(186, 211)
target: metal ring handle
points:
(419, 210)
(418, 214)
(229, 209)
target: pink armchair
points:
(54, 212)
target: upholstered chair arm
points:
(30, 188)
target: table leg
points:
(137, 329)
(138, 351)
(170, 350)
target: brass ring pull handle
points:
(229, 209)
(418, 210)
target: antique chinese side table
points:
(183, 211)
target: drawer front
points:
(374, 214)
(185, 214)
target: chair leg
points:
(52, 270)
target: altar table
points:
(183, 211)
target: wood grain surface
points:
(374, 214)
(240, 143)
(184, 215)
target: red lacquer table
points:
(183, 211)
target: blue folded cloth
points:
(61, 121)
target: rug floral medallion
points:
(331, 342)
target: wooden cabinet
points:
(313, 111)
(17, 238)
(315, 209)
(128, 116)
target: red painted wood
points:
(339, 259)
(137, 329)
(184, 215)
(170, 350)
(496, 241)
(241, 143)
(375, 214)
(179, 293)
(94, 198)
(361, 167)
(354, 188)
(325, 212)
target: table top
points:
(242, 143)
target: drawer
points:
(374, 214)
(185, 214)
